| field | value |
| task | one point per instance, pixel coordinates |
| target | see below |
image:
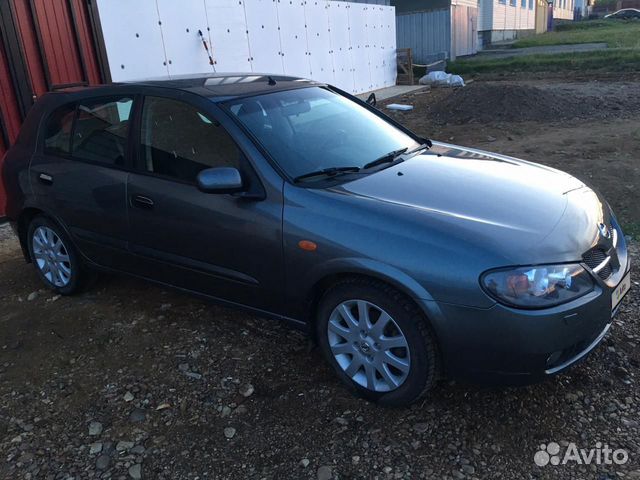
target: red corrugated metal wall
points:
(45, 45)
(9, 115)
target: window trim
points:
(76, 104)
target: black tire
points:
(79, 277)
(424, 367)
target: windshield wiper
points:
(386, 158)
(427, 144)
(328, 172)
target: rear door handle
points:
(45, 178)
(141, 201)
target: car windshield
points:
(313, 130)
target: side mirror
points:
(220, 180)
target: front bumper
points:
(503, 345)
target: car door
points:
(79, 174)
(227, 246)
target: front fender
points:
(367, 267)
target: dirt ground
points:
(129, 380)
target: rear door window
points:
(101, 130)
(57, 138)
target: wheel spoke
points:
(43, 237)
(342, 349)
(345, 313)
(388, 377)
(354, 366)
(363, 315)
(37, 240)
(49, 234)
(370, 373)
(64, 276)
(387, 343)
(57, 280)
(57, 246)
(339, 330)
(395, 361)
(64, 269)
(378, 327)
(46, 267)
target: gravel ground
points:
(131, 381)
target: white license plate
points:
(621, 290)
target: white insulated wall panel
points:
(376, 53)
(133, 40)
(359, 37)
(228, 34)
(389, 45)
(346, 44)
(293, 37)
(264, 36)
(340, 44)
(318, 40)
(180, 23)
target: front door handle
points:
(141, 201)
(45, 178)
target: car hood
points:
(528, 212)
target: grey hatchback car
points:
(405, 260)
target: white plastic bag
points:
(434, 78)
(455, 81)
(441, 79)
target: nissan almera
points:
(406, 260)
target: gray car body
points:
(430, 226)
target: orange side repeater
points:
(307, 245)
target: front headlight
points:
(537, 287)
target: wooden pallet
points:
(405, 66)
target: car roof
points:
(228, 85)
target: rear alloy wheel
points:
(378, 341)
(55, 257)
(51, 256)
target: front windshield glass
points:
(312, 129)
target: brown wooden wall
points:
(45, 45)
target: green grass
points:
(615, 33)
(623, 54)
(614, 60)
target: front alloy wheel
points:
(377, 340)
(369, 345)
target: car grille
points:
(598, 260)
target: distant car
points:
(405, 259)
(625, 14)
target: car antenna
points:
(271, 80)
